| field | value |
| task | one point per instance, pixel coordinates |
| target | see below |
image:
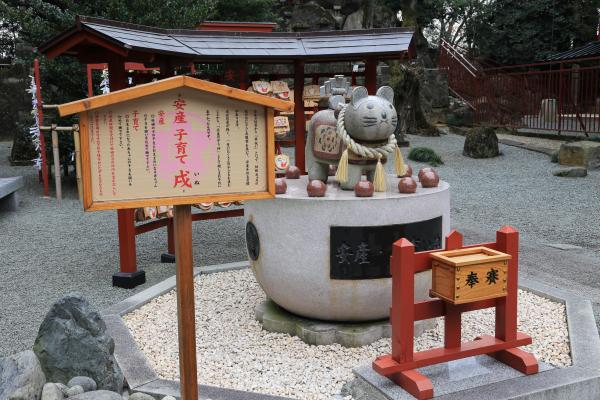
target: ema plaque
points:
(363, 252)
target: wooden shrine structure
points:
(101, 41)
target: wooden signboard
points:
(179, 141)
(176, 141)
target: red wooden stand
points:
(400, 366)
(129, 276)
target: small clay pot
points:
(280, 186)
(408, 172)
(430, 179)
(423, 170)
(316, 188)
(332, 170)
(364, 189)
(407, 185)
(293, 172)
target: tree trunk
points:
(410, 11)
(407, 100)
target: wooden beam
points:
(299, 122)
(386, 365)
(371, 74)
(83, 38)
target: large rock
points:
(72, 341)
(21, 377)
(481, 143)
(584, 154)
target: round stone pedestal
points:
(327, 258)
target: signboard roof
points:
(169, 84)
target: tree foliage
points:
(516, 31)
(32, 22)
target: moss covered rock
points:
(481, 142)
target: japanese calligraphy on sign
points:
(176, 145)
(363, 252)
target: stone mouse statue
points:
(359, 136)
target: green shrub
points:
(426, 155)
(554, 157)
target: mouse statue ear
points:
(359, 92)
(387, 93)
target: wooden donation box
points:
(468, 275)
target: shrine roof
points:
(124, 38)
(175, 82)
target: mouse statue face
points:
(371, 118)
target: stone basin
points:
(290, 241)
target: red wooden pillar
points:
(128, 276)
(243, 75)
(402, 317)
(299, 123)
(403, 294)
(371, 75)
(507, 239)
(506, 307)
(169, 256)
(452, 319)
(90, 82)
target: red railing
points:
(463, 77)
(545, 97)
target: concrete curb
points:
(527, 146)
(579, 381)
(137, 369)
(138, 300)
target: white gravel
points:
(234, 352)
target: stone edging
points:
(579, 381)
(137, 370)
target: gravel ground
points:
(517, 189)
(49, 249)
(234, 352)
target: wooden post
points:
(371, 75)
(38, 95)
(56, 157)
(452, 319)
(128, 277)
(77, 147)
(403, 297)
(90, 80)
(243, 75)
(299, 123)
(185, 302)
(506, 307)
(169, 256)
